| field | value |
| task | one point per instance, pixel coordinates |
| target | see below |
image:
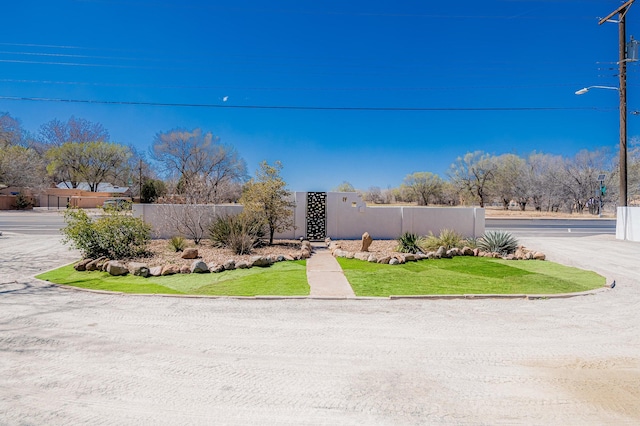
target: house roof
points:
(102, 187)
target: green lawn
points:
(467, 275)
(281, 279)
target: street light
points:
(586, 89)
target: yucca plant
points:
(409, 243)
(498, 242)
(448, 239)
(177, 243)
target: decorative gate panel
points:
(316, 215)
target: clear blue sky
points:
(447, 56)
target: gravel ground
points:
(73, 357)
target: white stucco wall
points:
(628, 223)
(348, 217)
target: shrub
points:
(23, 202)
(409, 243)
(241, 233)
(115, 235)
(177, 243)
(448, 239)
(471, 242)
(498, 242)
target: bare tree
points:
(11, 132)
(472, 174)
(578, 179)
(57, 133)
(22, 167)
(197, 158)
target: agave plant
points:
(498, 242)
(409, 243)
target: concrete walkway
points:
(325, 275)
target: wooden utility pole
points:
(622, 62)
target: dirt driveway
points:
(72, 357)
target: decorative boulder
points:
(156, 271)
(116, 268)
(393, 261)
(288, 257)
(467, 251)
(372, 258)
(190, 253)
(409, 257)
(242, 265)
(384, 260)
(199, 267)
(230, 265)
(184, 269)
(366, 241)
(260, 261)
(441, 253)
(215, 268)
(305, 253)
(94, 265)
(361, 255)
(539, 256)
(139, 269)
(82, 265)
(170, 270)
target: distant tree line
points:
(195, 167)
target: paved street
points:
(71, 357)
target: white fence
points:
(347, 217)
(628, 223)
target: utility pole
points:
(622, 42)
(140, 180)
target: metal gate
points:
(316, 215)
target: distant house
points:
(102, 187)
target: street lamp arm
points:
(586, 89)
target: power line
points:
(302, 108)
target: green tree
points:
(344, 187)
(91, 162)
(425, 186)
(151, 190)
(267, 197)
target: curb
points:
(364, 298)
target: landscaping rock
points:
(230, 265)
(340, 253)
(454, 252)
(96, 264)
(350, 255)
(394, 261)
(184, 269)
(280, 258)
(199, 267)
(442, 253)
(82, 265)
(361, 255)
(242, 265)
(156, 271)
(139, 269)
(409, 257)
(288, 257)
(216, 268)
(539, 256)
(366, 241)
(260, 261)
(467, 251)
(372, 258)
(116, 268)
(190, 253)
(384, 260)
(170, 270)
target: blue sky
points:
(496, 75)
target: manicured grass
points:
(467, 275)
(280, 279)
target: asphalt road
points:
(33, 222)
(553, 227)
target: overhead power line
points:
(300, 107)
